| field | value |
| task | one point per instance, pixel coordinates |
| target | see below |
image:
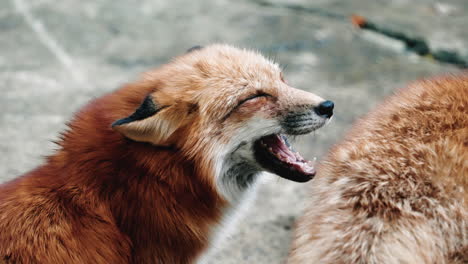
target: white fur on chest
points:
(229, 221)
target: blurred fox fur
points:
(154, 171)
(395, 190)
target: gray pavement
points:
(57, 55)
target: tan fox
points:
(152, 172)
(396, 190)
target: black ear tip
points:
(197, 47)
(120, 122)
(146, 109)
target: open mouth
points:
(275, 154)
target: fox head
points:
(229, 110)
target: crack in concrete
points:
(415, 45)
(47, 40)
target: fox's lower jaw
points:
(275, 154)
(265, 147)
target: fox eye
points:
(253, 97)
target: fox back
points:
(395, 190)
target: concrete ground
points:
(57, 55)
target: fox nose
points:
(325, 109)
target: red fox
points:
(396, 190)
(152, 172)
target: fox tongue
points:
(278, 146)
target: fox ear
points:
(149, 123)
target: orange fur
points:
(395, 191)
(146, 191)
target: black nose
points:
(325, 109)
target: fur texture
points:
(149, 173)
(395, 191)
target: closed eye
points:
(252, 97)
(241, 102)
